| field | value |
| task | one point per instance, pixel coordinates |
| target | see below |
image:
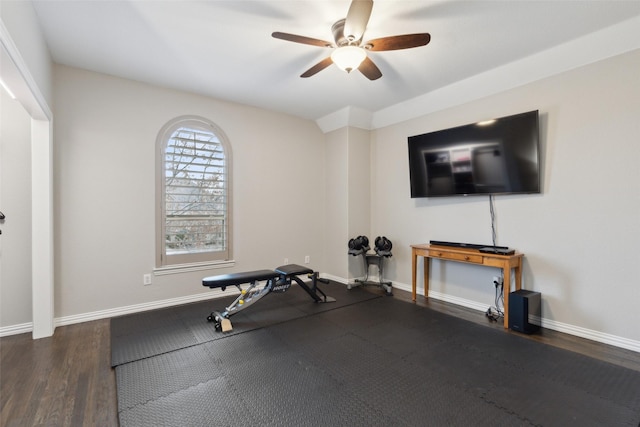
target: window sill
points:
(187, 268)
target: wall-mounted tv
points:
(499, 156)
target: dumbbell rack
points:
(370, 259)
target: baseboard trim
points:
(138, 308)
(592, 335)
(119, 311)
(21, 328)
(447, 298)
(565, 328)
(336, 279)
(589, 334)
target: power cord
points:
(496, 312)
(492, 212)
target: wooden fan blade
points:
(318, 67)
(300, 39)
(369, 69)
(357, 19)
(405, 41)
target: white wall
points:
(579, 236)
(359, 196)
(348, 199)
(15, 203)
(105, 133)
(336, 209)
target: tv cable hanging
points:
(495, 312)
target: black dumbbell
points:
(360, 242)
(383, 246)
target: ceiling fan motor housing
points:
(337, 29)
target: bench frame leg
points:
(313, 291)
(247, 298)
(254, 293)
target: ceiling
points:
(224, 49)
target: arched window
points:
(193, 193)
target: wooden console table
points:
(471, 256)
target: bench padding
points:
(224, 280)
(293, 270)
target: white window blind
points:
(195, 202)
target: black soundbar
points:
(496, 250)
(470, 246)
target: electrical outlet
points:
(146, 279)
(307, 259)
(286, 261)
(497, 281)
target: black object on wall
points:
(523, 307)
(498, 156)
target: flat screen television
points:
(499, 156)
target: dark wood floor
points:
(66, 380)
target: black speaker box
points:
(524, 306)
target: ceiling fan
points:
(349, 52)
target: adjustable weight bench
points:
(277, 281)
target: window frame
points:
(195, 259)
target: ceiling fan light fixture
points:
(348, 58)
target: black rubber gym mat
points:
(378, 362)
(141, 335)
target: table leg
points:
(506, 274)
(414, 266)
(426, 276)
(518, 273)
